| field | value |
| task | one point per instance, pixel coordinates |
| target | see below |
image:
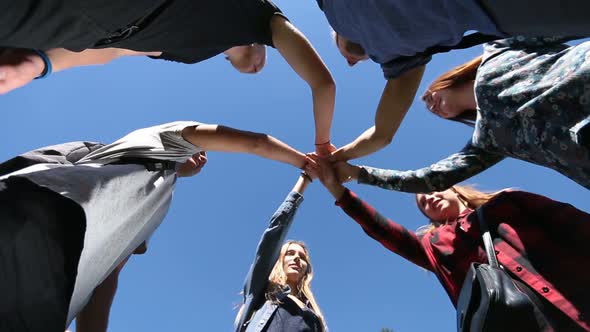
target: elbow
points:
(325, 84)
(383, 140)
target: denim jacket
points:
(263, 315)
(267, 254)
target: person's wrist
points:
(336, 188)
(354, 175)
(47, 66)
(306, 176)
(324, 143)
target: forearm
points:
(436, 177)
(272, 148)
(301, 184)
(366, 143)
(390, 234)
(62, 59)
(396, 99)
(225, 139)
(307, 63)
(324, 97)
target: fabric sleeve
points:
(436, 177)
(267, 253)
(190, 55)
(525, 44)
(390, 234)
(400, 65)
(172, 140)
(261, 12)
(544, 42)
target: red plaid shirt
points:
(543, 242)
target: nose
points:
(351, 62)
(430, 199)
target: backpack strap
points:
(152, 165)
(487, 239)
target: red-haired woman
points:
(527, 98)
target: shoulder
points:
(176, 126)
(515, 197)
(521, 45)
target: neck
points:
(462, 208)
(294, 289)
(467, 96)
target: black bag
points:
(490, 300)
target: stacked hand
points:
(324, 149)
(18, 67)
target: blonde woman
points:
(277, 291)
(539, 241)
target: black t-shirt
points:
(191, 31)
(188, 31)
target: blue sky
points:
(192, 274)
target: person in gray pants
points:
(71, 214)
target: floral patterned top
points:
(533, 97)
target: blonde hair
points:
(455, 77)
(468, 195)
(278, 280)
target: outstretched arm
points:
(391, 235)
(225, 139)
(63, 59)
(437, 177)
(306, 62)
(18, 67)
(268, 251)
(395, 102)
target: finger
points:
(309, 160)
(314, 156)
(312, 165)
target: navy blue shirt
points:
(289, 316)
(395, 32)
